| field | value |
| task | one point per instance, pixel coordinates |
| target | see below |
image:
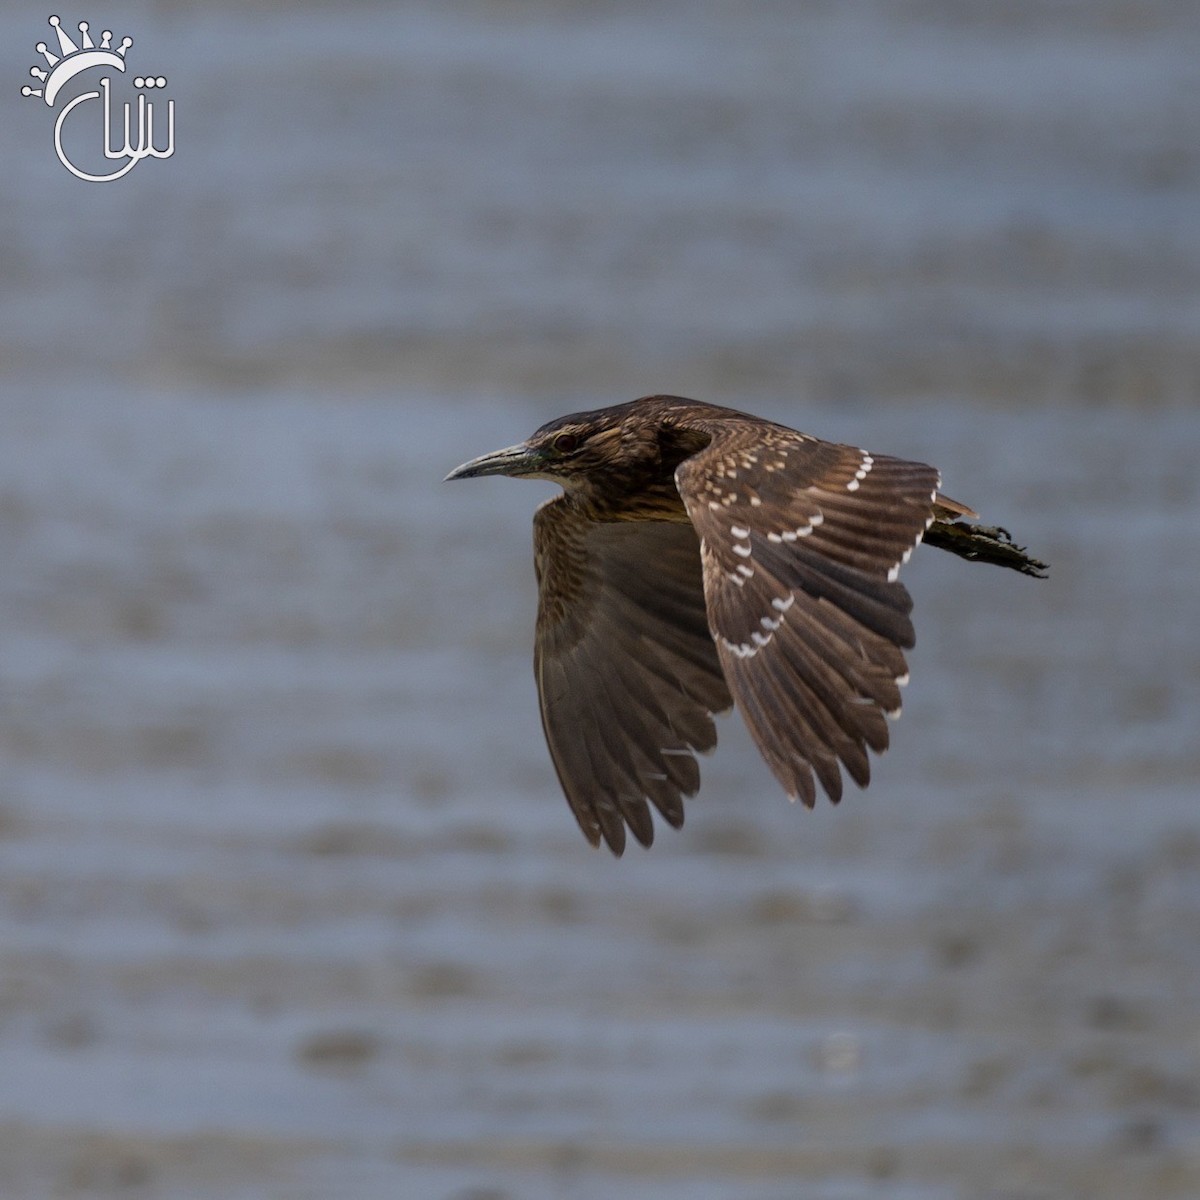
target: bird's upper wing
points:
(801, 542)
(628, 676)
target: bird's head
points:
(567, 451)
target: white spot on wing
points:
(744, 551)
(740, 649)
(894, 572)
(739, 532)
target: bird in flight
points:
(699, 557)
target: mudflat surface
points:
(290, 905)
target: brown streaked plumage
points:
(700, 556)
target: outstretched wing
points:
(628, 676)
(801, 544)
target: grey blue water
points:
(290, 904)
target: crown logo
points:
(126, 128)
(72, 59)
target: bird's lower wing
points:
(628, 677)
(801, 545)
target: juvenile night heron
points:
(700, 556)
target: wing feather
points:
(628, 675)
(801, 544)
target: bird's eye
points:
(565, 443)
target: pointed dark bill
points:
(512, 460)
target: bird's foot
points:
(985, 543)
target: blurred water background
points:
(290, 904)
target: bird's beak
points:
(512, 460)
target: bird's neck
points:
(628, 497)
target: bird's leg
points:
(984, 543)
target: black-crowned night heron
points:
(700, 556)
